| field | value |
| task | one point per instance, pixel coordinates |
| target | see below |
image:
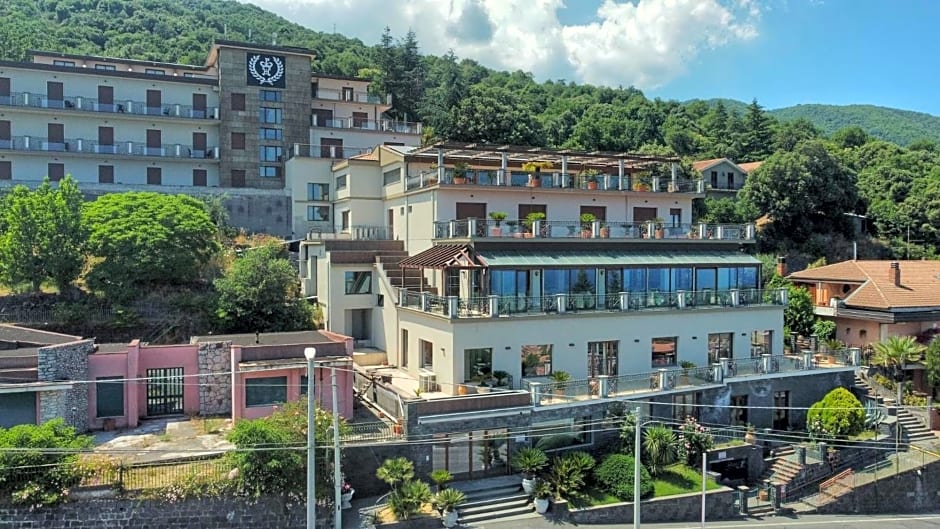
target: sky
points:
(782, 52)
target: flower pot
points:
(585, 234)
(592, 185)
(528, 485)
(605, 233)
(496, 231)
(449, 518)
(541, 505)
(346, 498)
(460, 180)
(397, 428)
(534, 182)
(750, 438)
(660, 233)
(528, 235)
(461, 389)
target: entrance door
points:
(473, 455)
(391, 224)
(359, 324)
(165, 391)
(781, 410)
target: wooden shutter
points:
(105, 174)
(4, 87)
(199, 178)
(238, 141)
(105, 95)
(154, 99)
(56, 171)
(199, 102)
(154, 176)
(106, 136)
(54, 91)
(153, 139)
(643, 214)
(6, 170)
(56, 133)
(468, 210)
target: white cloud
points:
(645, 43)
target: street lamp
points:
(310, 353)
(636, 470)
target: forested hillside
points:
(903, 127)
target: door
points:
(154, 142)
(106, 140)
(599, 212)
(199, 105)
(105, 98)
(359, 324)
(781, 410)
(360, 120)
(6, 136)
(322, 117)
(18, 408)
(475, 454)
(56, 137)
(641, 215)
(54, 95)
(199, 145)
(164, 391)
(391, 224)
(331, 148)
(154, 102)
(471, 210)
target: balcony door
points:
(322, 117)
(641, 215)
(331, 148)
(105, 98)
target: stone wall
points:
(65, 362)
(215, 390)
(361, 462)
(719, 505)
(913, 491)
(222, 513)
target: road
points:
(813, 521)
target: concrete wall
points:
(719, 505)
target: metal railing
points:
(597, 229)
(352, 233)
(515, 178)
(88, 104)
(348, 96)
(334, 152)
(375, 125)
(121, 148)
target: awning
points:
(444, 256)
(546, 259)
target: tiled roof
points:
(372, 155)
(701, 165)
(750, 166)
(919, 286)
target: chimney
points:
(782, 266)
(895, 273)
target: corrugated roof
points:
(545, 259)
(919, 286)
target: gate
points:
(165, 391)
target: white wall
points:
(84, 168)
(34, 123)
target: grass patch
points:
(867, 435)
(680, 479)
(593, 496)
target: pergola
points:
(446, 258)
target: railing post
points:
(452, 307)
(655, 184)
(471, 227)
(784, 296)
(78, 144)
(703, 231)
(624, 301)
(178, 111)
(735, 297)
(561, 303)
(452, 228)
(664, 379)
(801, 454)
(765, 362)
(603, 386)
(79, 102)
(606, 181)
(749, 232)
(296, 149)
(724, 363)
(807, 360)
(719, 232)
(425, 301)
(26, 142)
(179, 150)
(681, 294)
(595, 229)
(718, 372)
(536, 389)
(494, 305)
(537, 228)
(500, 175)
(700, 186)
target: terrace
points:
(89, 104)
(597, 229)
(514, 178)
(119, 148)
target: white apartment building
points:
(225, 128)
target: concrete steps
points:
(782, 471)
(503, 501)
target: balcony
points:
(332, 152)
(605, 230)
(118, 148)
(454, 307)
(557, 180)
(368, 125)
(352, 233)
(350, 97)
(86, 104)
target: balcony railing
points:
(573, 229)
(352, 97)
(87, 104)
(354, 233)
(557, 180)
(121, 148)
(380, 125)
(546, 392)
(495, 306)
(333, 152)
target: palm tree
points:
(395, 471)
(894, 354)
(661, 448)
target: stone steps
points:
(502, 501)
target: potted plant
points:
(441, 477)
(529, 461)
(686, 366)
(589, 177)
(559, 380)
(446, 502)
(501, 377)
(498, 217)
(660, 226)
(750, 436)
(512, 228)
(460, 173)
(587, 225)
(346, 495)
(529, 222)
(605, 231)
(543, 495)
(535, 172)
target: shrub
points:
(615, 475)
(409, 498)
(529, 461)
(42, 475)
(396, 472)
(694, 440)
(838, 414)
(569, 472)
(660, 448)
(441, 477)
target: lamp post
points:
(337, 473)
(636, 471)
(310, 353)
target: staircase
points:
(494, 499)
(783, 470)
(410, 278)
(912, 429)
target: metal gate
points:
(165, 391)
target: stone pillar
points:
(801, 454)
(681, 298)
(536, 389)
(624, 301)
(537, 228)
(742, 498)
(724, 363)
(471, 227)
(765, 362)
(215, 388)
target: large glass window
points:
(109, 396)
(273, 96)
(478, 364)
(269, 115)
(658, 279)
(720, 346)
(318, 213)
(536, 360)
(358, 282)
(683, 406)
(391, 177)
(634, 279)
(664, 351)
(555, 435)
(268, 133)
(269, 171)
(727, 278)
(681, 279)
(427, 354)
(602, 358)
(270, 153)
(318, 191)
(706, 279)
(747, 277)
(265, 391)
(509, 283)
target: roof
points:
(321, 75)
(444, 256)
(372, 155)
(102, 58)
(531, 258)
(214, 50)
(491, 154)
(750, 166)
(274, 338)
(919, 286)
(33, 337)
(704, 165)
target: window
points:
(6, 136)
(318, 213)
(427, 354)
(270, 153)
(106, 67)
(304, 384)
(347, 93)
(200, 178)
(344, 216)
(404, 347)
(238, 101)
(391, 177)
(602, 358)
(720, 345)
(63, 63)
(6, 170)
(269, 115)
(714, 176)
(265, 391)
(683, 406)
(267, 133)
(188, 74)
(509, 283)
(341, 182)
(154, 71)
(105, 174)
(238, 141)
(664, 351)
(56, 171)
(269, 171)
(314, 88)
(738, 410)
(273, 96)
(109, 396)
(477, 364)
(331, 148)
(238, 178)
(536, 360)
(730, 180)
(154, 176)
(358, 282)
(360, 120)
(318, 191)
(675, 217)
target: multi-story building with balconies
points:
(227, 127)
(468, 279)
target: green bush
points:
(409, 498)
(569, 473)
(615, 476)
(838, 414)
(43, 474)
(660, 448)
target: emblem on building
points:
(266, 70)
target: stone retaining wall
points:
(719, 505)
(215, 389)
(913, 491)
(65, 362)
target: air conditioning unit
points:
(427, 381)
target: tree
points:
(139, 239)
(895, 353)
(838, 414)
(798, 316)
(932, 354)
(789, 134)
(261, 293)
(660, 448)
(853, 136)
(758, 137)
(41, 235)
(395, 472)
(615, 475)
(496, 115)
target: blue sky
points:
(783, 52)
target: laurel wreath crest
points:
(260, 78)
